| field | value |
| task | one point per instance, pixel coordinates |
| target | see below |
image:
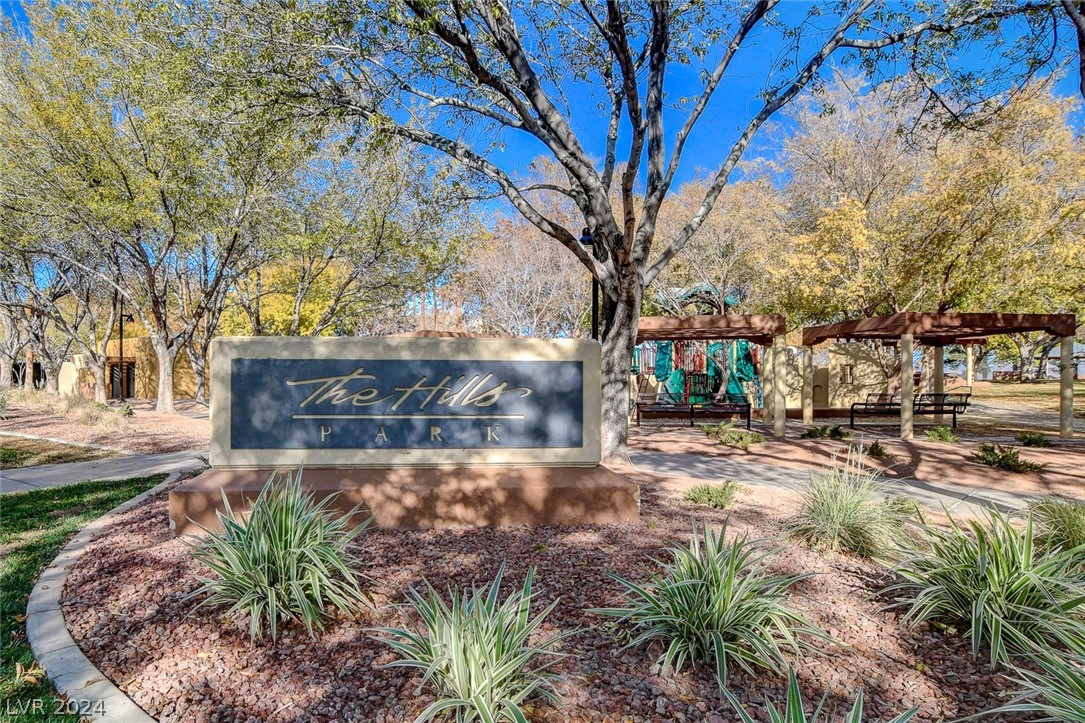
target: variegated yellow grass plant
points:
(290, 559)
(477, 650)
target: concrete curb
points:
(89, 691)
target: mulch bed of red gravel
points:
(124, 605)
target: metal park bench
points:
(875, 405)
(661, 405)
(950, 403)
(724, 405)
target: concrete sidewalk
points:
(139, 465)
(971, 500)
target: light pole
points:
(123, 317)
(587, 240)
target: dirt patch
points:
(145, 431)
(124, 604)
(934, 462)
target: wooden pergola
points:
(766, 329)
(938, 330)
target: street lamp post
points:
(123, 317)
(587, 240)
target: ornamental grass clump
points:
(290, 559)
(718, 496)
(1033, 439)
(794, 710)
(1060, 522)
(475, 650)
(992, 581)
(848, 509)
(942, 434)
(1057, 691)
(726, 434)
(874, 450)
(1005, 458)
(826, 432)
(716, 604)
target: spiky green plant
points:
(1005, 458)
(874, 450)
(716, 603)
(826, 432)
(289, 559)
(1057, 691)
(474, 649)
(726, 434)
(991, 580)
(1033, 439)
(848, 509)
(795, 711)
(942, 434)
(1061, 522)
(718, 496)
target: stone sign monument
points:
(421, 432)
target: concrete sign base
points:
(426, 498)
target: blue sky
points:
(734, 104)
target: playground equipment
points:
(706, 366)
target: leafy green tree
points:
(465, 78)
(356, 232)
(122, 145)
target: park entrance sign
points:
(418, 432)
(403, 401)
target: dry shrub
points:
(72, 408)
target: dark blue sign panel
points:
(405, 404)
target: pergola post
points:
(939, 376)
(808, 385)
(779, 395)
(970, 364)
(1066, 387)
(907, 385)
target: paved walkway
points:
(716, 469)
(138, 465)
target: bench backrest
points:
(724, 399)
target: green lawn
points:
(1041, 395)
(34, 526)
(20, 452)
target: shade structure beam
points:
(759, 328)
(944, 328)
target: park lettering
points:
(360, 389)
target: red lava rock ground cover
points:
(124, 603)
(146, 431)
(929, 461)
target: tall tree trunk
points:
(6, 365)
(1045, 353)
(165, 355)
(198, 359)
(97, 370)
(28, 372)
(52, 376)
(1027, 349)
(620, 320)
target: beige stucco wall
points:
(68, 378)
(830, 388)
(139, 348)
